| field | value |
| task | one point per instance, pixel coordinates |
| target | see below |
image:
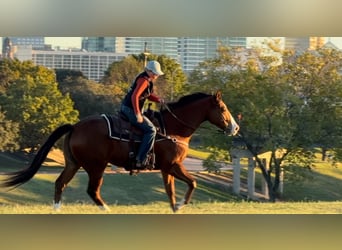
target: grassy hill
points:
(319, 191)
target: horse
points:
(87, 145)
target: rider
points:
(132, 104)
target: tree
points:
(12, 70)
(280, 96)
(123, 71)
(68, 74)
(92, 98)
(317, 81)
(170, 86)
(9, 133)
(38, 106)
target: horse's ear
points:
(218, 96)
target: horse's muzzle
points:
(233, 129)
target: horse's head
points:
(220, 116)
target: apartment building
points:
(91, 64)
(304, 43)
(187, 51)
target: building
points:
(98, 53)
(132, 45)
(193, 50)
(155, 45)
(99, 44)
(7, 48)
(187, 51)
(37, 42)
(304, 43)
(91, 64)
(316, 43)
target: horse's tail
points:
(18, 178)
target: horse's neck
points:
(184, 121)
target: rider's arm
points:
(154, 98)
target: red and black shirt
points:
(141, 89)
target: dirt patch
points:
(54, 158)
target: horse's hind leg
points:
(71, 167)
(64, 178)
(94, 187)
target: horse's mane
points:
(185, 100)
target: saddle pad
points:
(118, 129)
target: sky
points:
(68, 42)
(75, 42)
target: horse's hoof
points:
(179, 206)
(104, 208)
(176, 208)
(57, 206)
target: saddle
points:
(120, 128)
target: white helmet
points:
(154, 66)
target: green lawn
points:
(320, 192)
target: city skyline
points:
(76, 42)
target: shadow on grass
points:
(36, 191)
(318, 184)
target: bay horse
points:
(87, 145)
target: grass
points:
(198, 154)
(158, 208)
(318, 193)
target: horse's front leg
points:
(169, 183)
(178, 171)
(182, 174)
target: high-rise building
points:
(99, 44)
(155, 45)
(304, 43)
(188, 51)
(316, 42)
(37, 42)
(7, 48)
(193, 50)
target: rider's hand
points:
(162, 101)
(139, 117)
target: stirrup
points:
(150, 161)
